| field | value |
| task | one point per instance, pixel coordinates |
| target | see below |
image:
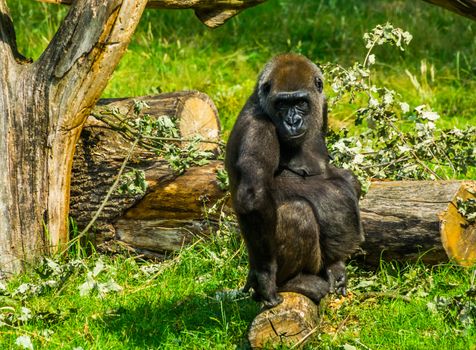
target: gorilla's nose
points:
(293, 122)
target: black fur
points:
(298, 214)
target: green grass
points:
(175, 306)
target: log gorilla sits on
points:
(298, 214)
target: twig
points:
(128, 129)
(357, 341)
(340, 326)
(444, 155)
(303, 339)
(388, 295)
(418, 160)
(386, 164)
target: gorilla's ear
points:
(319, 84)
(266, 88)
(324, 117)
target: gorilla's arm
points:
(251, 161)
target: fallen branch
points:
(212, 13)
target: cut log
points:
(291, 323)
(172, 213)
(193, 112)
(212, 13)
(101, 151)
(418, 220)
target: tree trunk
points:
(43, 107)
(418, 220)
(171, 212)
(291, 323)
(212, 13)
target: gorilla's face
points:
(290, 91)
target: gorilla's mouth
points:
(294, 137)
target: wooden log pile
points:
(170, 214)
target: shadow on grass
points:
(196, 320)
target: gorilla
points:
(298, 214)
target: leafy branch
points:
(398, 143)
(159, 135)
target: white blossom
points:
(371, 59)
(388, 98)
(359, 158)
(430, 116)
(24, 341)
(373, 102)
(405, 107)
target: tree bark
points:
(43, 107)
(418, 220)
(291, 323)
(212, 13)
(466, 8)
(219, 11)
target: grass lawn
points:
(186, 303)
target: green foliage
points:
(132, 183)
(467, 208)
(397, 143)
(159, 135)
(223, 180)
(182, 158)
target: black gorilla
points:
(298, 214)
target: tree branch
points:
(212, 13)
(466, 8)
(229, 8)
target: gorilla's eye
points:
(303, 105)
(281, 105)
